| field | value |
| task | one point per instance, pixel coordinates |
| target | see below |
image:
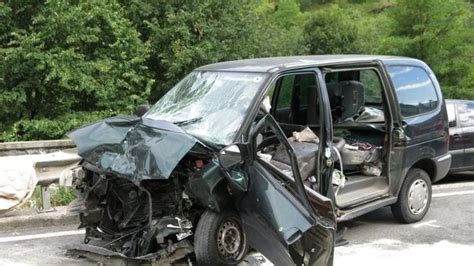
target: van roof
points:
(274, 64)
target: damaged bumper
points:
(146, 187)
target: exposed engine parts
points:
(149, 221)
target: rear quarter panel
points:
(427, 133)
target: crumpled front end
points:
(133, 148)
(138, 197)
(150, 193)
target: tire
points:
(209, 245)
(414, 198)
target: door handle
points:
(456, 136)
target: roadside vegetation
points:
(67, 63)
(60, 196)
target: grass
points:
(60, 196)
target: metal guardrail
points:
(34, 147)
(48, 170)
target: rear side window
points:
(466, 114)
(415, 91)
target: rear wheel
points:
(414, 198)
(220, 239)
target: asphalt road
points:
(444, 237)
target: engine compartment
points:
(147, 221)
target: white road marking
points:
(396, 253)
(38, 236)
(455, 193)
(427, 223)
(453, 185)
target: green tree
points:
(186, 34)
(280, 29)
(70, 56)
(439, 33)
(333, 30)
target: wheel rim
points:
(230, 240)
(418, 196)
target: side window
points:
(373, 87)
(451, 115)
(284, 93)
(304, 83)
(332, 77)
(466, 114)
(293, 97)
(271, 91)
(415, 91)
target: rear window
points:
(415, 91)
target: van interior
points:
(358, 113)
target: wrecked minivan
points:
(262, 154)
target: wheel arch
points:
(428, 165)
(425, 164)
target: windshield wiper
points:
(187, 122)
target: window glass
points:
(414, 88)
(331, 77)
(305, 83)
(293, 98)
(271, 91)
(373, 87)
(466, 114)
(451, 115)
(284, 94)
(209, 105)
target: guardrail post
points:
(46, 200)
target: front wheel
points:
(414, 198)
(220, 239)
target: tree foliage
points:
(68, 62)
(440, 33)
(61, 63)
(186, 34)
(333, 31)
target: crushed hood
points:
(133, 148)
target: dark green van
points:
(266, 154)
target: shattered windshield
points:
(209, 105)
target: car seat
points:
(346, 99)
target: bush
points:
(60, 196)
(68, 56)
(45, 129)
(334, 30)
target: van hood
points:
(133, 148)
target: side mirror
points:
(141, 110)
(230, 156)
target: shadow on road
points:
(380, 216)
(458, 178)
(384, 215)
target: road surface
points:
(444, 237)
